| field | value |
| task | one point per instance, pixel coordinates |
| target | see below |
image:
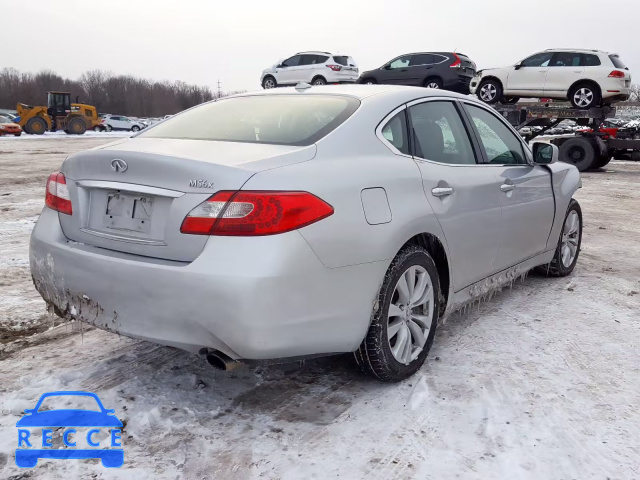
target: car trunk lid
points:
(132, 196)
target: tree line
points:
(109, 93)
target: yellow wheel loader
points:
(59, 114)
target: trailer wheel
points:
(36, 126)
(603, 160)
(578, 151)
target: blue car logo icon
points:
(68, 419)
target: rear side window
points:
(273, 119)
(500, 144)
(395, 132)
(589, 60)
(321, 59)
(439, 134)
(615, 59)
(566, 59)
(341, 60)
(422, 59)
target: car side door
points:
(287, 70)
(395, 72)
(114, 122)
(565, 69)
(419, 69)
(528, 77)
(526, 193)
(463, 192)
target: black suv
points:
(450, 71)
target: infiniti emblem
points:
(119, 165)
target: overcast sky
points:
(201, 41)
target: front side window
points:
(566, 59)
(395, 132)
(292, 62)
(401, 62)
(440, 135)
(500, 144)
(538, 60)
(273, 119)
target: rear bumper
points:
(252, 298)
(458, 84)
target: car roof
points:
(314, 52)
(580, 50)
(361, 92)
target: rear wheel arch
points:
(433, 78)
(586, 82)
(438, 253)
(319, 78)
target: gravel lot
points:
(540, 383)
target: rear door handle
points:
(507, 187)
(441, 191)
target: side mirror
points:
(518, 66)
(279, 66)
(544, 153)
(387, 67)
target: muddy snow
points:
(539, 383)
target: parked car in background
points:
(446, 70)
(250, 204)
(315, 68)
(8, 127)
(587, 78)
(120, 122)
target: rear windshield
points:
(274, 119)
(341, 60)
(617, 62)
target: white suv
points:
(316, 68)
(120, 122)
(586, 77)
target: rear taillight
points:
(616, 74)
(254, 213)
(457, 63)
(57, 197)
(335, 68)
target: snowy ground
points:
(540, 383)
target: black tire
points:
(269, 82)
(369, 81)
(591, 96)
(510, 100)
(433, 82)
(374, 357)
(494, 92)
(603, 161)
(135, 128)
(557, 268)
(17, 134)
(578, 151)
(97, 128)
(76, 126)
(108, 128)
(36, 126)
(318, 81)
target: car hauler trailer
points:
(591, 148)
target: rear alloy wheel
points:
(319, 81)
(584, 96)
(489, 91)
(404, 318)
(569, 243)
(269, 82)
(578, 151)
(433, 83)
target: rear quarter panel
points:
(350, 159)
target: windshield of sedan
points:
(67, 402)
(273, 119)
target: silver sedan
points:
(300, 222)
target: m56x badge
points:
(200, 183)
